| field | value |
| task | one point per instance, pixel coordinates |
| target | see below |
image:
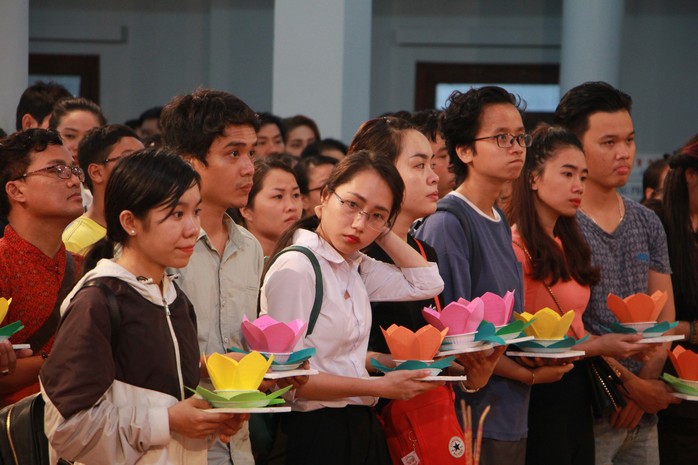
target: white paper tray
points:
(290, 373)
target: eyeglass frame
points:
(526, 138)
(54, 169)
(359, 212)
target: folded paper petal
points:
(229, 374)
(547, 324)
(268, 335)
(459, 317)
(4, 307)
(407, 345)
(413, 365)
(498, 309)
(637, 307)
(679, 386)
(685, 362)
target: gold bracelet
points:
(465, 389)
(533, 378)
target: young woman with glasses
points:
(333, 420)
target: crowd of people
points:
(178, 219)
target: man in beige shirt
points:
(217, 132)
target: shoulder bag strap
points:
(550, 291)
(317, 303)
(424, 254)
(48, 329)
(113, 305)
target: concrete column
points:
(591, 41)
(14, 56)
(322, 63)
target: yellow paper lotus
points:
(407, 345)
(229, 374)
(547, 323)
(4, 307)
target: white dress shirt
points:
(342, 329)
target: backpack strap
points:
(448, 204)
(113, 306)
(317, 303)
(49, 327)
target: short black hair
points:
(269, 118)
(427, 122)
(303, 167)
(460, 120)
(97, 143)
(38, 100)
(15, 157)
(582, 101)
(190, 123)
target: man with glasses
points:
(40, 196)
(487, 143)
(98, 154)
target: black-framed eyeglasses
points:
(376, 220)
(507, 140)
(117, 158)
(62, 171)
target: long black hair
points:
(549, 264)
(681, 238)
(145, 180)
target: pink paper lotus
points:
(265, 334)
(458, 317)
(637, 307)
(498, 309)
(686, 363)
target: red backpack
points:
(425, 425)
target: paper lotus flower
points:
(498, 309)
(265, 334)
(229, 374)
(457, 317)
(637, 307)
(685, 362)
(251, 399)
(4, 307)
(407, 345)
(546, 323)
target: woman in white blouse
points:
(333, 420)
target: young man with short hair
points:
(217, 133)
(40, 196)
(98, 154)
(487, 142)
(36, 104)
(628, 243)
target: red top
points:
(570, 294)
(32, 280)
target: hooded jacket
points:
(111, 408)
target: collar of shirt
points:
(325, 250)
(235, 239)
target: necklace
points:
(620, 212)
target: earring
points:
(133, 232)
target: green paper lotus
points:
(558, 346)
(413, 365)
(296, 357)
(8, 330)
(247, 399)
(678, 385)
(653, 331)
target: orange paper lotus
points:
(407, 345)
(637, 307)
(686, 363)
